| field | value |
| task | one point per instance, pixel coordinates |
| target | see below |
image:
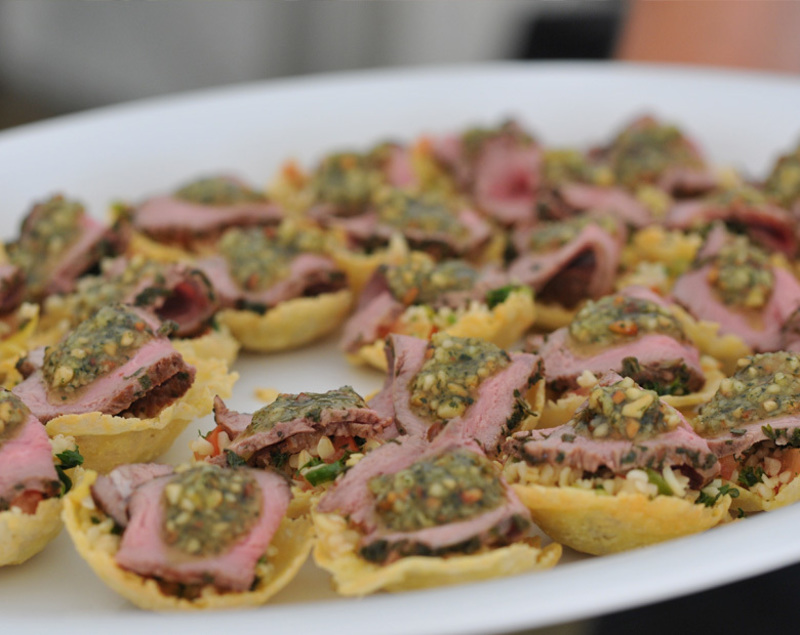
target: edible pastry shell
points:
(558, 412)
(290, 324)
(502, 325)
(24, 535)
(336, 551)
(91, 533)
(599, 524)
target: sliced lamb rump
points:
(176, 220)
(769, 225)
(493, 414)
(26, 465)
(369, 230)
(506, 179)
(352, 497)
(143, 549)
(50, 262)
(255, 443)
(154, 376)
(309, 274)
(371, 321)
(679, 448)
(623, 205)
(761, 330)
(583, 268)
(112, 492)
(657, 356)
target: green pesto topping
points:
(619, 318)
(208, 509)
(54, 226)
(449, 380)
(95, 292)
(741, 195)
(97, 346)
(474, 139)
(552, 235)
(567, 166)
(742, 274)
(255, 261)
(783, 183)
(764, 386)
(427, 213)
(420, 280)
(219, 191)
(452, 487)
(624, 411)
(13, 413)
(346, 180)
(304, 405)
(642, 152)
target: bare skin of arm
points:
(754, 34)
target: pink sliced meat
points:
(583, 268)
(26, 464)
(486, 421)
(154, 377)
(613, 200)
(765, 223)
(564, 362)
(761, 330)
(398, 167)
(506, 180)
(294, 435)
(679, 448)
(143, 550)
(112, 492)
(352, 498)
(172, 219)
(309, 274)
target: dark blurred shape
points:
(583, 32)
(764, 604)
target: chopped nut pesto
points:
(561, 166)
(474, 139)
(54, 227)
(255, 261)
(552, 235)
(13, 413)
(455, 486)
(97, 346)
(644, 151)
(764, 386)
(744, 195)
(218, 191)
(303, 405)
(420, 280)
(618, 318)
(741, 274)
(623, 410)
(449, 380)
(208, 509)
(783, 183)
(346, 180)
(427, 213)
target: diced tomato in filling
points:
(727, 466)
(28, 501)
(345, 443)
(790, 460)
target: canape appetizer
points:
(626, 471)
(199, 537)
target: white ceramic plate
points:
(134, 150)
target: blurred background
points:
(63, 56)
(59, 57)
